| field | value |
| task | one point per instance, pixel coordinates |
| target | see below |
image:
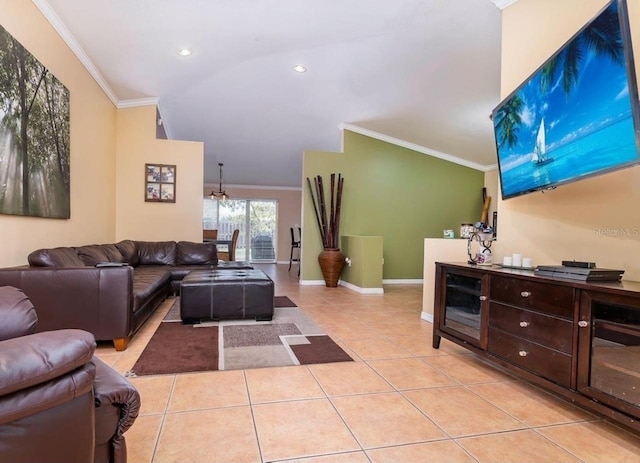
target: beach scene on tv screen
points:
(573, 117)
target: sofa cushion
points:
(95, 253)
(92, 254)
(129, 252)
(112, 252)
(188, 253)
(56, 257)
(147, 281)
(156, 252)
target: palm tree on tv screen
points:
(602, 37)
(508, 120)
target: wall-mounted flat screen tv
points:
(577, 115)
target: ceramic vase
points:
(331, 262)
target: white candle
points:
(526, 262)
(507, 261)
(517, 260)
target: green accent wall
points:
(365, 253)
(394, 192)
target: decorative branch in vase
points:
(331, 260)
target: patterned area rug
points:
(291, 338)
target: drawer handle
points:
(583, 324)
(523, 353)
(525, 294)
(483, 298)
(524, 324)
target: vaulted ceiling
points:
(425, 73)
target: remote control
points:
(579, 264)
(111, 264)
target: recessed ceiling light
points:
(299, 68)
(184, 52)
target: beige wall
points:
(438, 250)
(491, 183)
(136, 145)
(579, 220)
(93, 121)
(289, 207)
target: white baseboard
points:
(286, 262)
(360, 290)
(428, 317)
(345, 284)
(311, 283)
(403, 282)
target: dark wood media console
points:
(580, 340)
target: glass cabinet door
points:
(611, 370)
(463, 304)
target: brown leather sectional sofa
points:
(108, 289)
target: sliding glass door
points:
(256, 219)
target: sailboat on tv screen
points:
(539, 156)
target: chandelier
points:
(220, 194)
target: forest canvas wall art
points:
(34, 135)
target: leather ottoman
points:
(221, 294)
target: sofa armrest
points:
(117, 402)
(112, 389)
(98, 300)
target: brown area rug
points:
(319, 349)
(283, 301)
(178, 348)
(291, 338)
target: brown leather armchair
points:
(58, 403)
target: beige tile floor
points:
(400, 401)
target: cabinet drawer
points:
(545, 362)
(544, 297)
(555, 333)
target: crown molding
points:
(502, 4)
(414, 147)
(72, 43)
(55, 21)
(137, 102)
